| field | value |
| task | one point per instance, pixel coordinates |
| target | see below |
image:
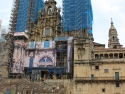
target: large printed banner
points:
(38, 54)
(41, 58)
(69, 54)
(33, 54)
(41, 45)
(18, 56)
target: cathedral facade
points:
(46, 60)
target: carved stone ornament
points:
(47, 22)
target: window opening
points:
(92, 76)
(113, 38)
(47, 32)
(96, 56)
(116, 75)
(117, 85)
(120, 55)
(96, 67)
(106, 70)
(103, 90)
(28, 91)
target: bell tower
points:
(83, 52)
(49, 23)
(49, 20)
(113, 37)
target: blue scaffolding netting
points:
(37, 5)
(77, 15)
(23, 13)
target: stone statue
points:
(49, 11)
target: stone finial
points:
(112, 24)
(59, 9)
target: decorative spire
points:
(113, 37)
(112, 23)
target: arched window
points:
(115, 55)
(101, 56)
(121, 55)
(83, 51)
(96, 56)
(111, 56)
(113, 38)
(79, 53)
(46, 44)
(106, 56)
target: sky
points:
(103, 11)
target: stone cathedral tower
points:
(49, 23)
(113, 37)
(83, 48)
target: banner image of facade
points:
(41, 45)
(32, 45)
(18, 56)
(40, 54)
(29, 59)
(40, 58)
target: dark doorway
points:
(44, 74)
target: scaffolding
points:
(22, 16)
(14, 15)
(23, 13)
(77, 15)
(68, 15)
(36, 6)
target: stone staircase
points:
(37, 87)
